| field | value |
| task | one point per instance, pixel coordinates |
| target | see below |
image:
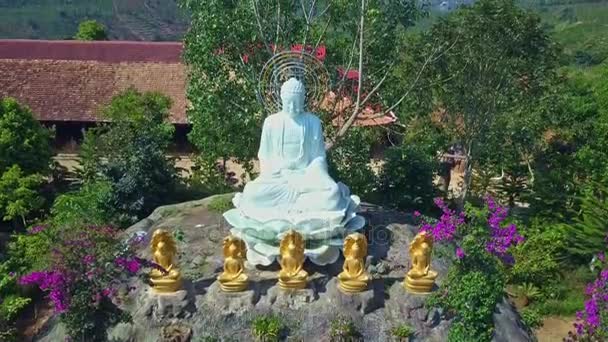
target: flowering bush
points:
(88, 269)
(482, 240)
(592, 322)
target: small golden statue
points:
(353, 277)
(233, 279)
(164, 252)
(420, 278)
(292, 274)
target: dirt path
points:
(554, 329)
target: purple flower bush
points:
(453, 227)
(592, 322)
(89, 268)
(481, 239)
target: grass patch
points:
(568, 296)
(403, 332)
(343, 329)
(267, 328)
(221, 203)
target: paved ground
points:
(554, 329)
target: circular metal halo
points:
(286, 64)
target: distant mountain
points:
(124, 19)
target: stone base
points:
(288, 299)
(179, 304)
(228, 302)
(364, 302)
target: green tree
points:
(130, 152)
(91, 30)
(230, 41)
(19, 195)
(586, 235)
(496, 67)
(23, 141)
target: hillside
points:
(125, 19)
(581, 27)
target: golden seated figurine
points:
(164, 251)
(233, 279)
(292, 275)
(420, 279)
(353, 278)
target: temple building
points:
(66, 82)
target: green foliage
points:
(12, 302)
(570, 152)
(91, 30)
(565, 297)
(532, 318)
(474, 285)
(84, 323)
(130, 153)
(91, 204)
(538, 259)
(12, 305)
(342, 329)
(23, 141)
(403, 332)
(473, 295)
(349, 162)
(267, 328)
(224, 82)
(495, 64)
(221, 204)
(19, 194)
(527, 290)
(406, 179)
(30, 252)
(586, 235)
(209, 177)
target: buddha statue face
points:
(293, 95)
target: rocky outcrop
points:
(202, 310)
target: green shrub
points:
(12, 305)
(476, 279)
(267, 328)
(585, 236)
(11, 301)
(527, 290)
(532, 318)
(8, 332)
(91, 30)
(406, 180)
(342, 329)
(91, 204)
(349, 161)
(130, 153)
(538, 259)
(403, 332)
(23, 141)
(19, 194)
(210, 177)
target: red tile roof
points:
(70, 80)
(101, 51)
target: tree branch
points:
(257, 18)
(353, 116)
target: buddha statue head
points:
(293, 95)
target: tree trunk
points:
(468, 176)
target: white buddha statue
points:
(294, 189)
